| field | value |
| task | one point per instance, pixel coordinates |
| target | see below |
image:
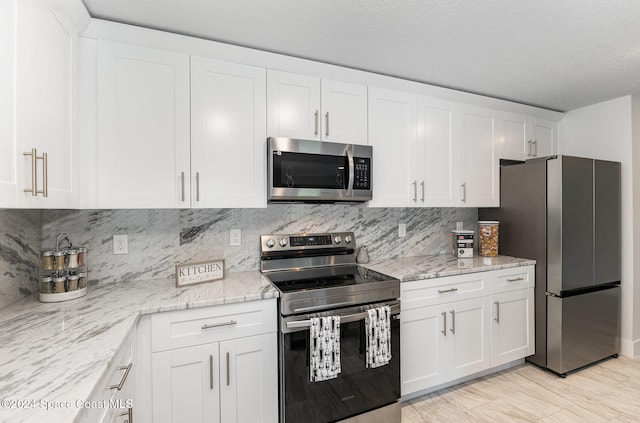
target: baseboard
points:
(463, 379)
(630, 348)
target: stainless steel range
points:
(318, 277)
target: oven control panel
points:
(301, 242)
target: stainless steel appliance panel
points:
(608, 242)
(523, 229)
(570, 224)
(582, 329)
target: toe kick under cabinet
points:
(457, 326)
(215, 364)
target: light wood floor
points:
(606, 392)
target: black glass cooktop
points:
(324, 277)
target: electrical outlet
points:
(235, 237)
(402, 230)
(120, 244)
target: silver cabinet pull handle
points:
(211, 371)
(228, 376)
(34, 173)
(453, 322)
(197, 186)
(497, 319)
(315, 131)
(217, 325)
(327, 123)
(45, 175)
(415, 191)
(535, 148)
(464, 192)
(129, 414)
(126, 369)
(444, 319)
(442, 291)
(529, 148)
(515, 279)
(182, 184)
(422, 185)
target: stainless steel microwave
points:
(318, 172)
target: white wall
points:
(605, 131)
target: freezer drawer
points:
(582, 329)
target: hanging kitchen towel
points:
(378, 327)
(324, 348)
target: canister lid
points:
(58, 253)
(488, 222)
(47, 253)
(456, 231)
(46, 279)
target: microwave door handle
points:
(351, 173)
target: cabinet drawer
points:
(186, 328)
(443, 290)
(513, 279)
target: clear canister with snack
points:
(488, 231)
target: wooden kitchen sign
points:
(204, 271)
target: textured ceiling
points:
(556, 54)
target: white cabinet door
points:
(544, 135)
(228, 134)
(512, 326)
(469, 348)
(143, 127)
(516, 143)
(479, 167)
(435, 156)
(392, 133)
(186, 384)
(423, 348)
(46, 90)
(249, 379)
(293, 105)
(8, 151)
(344, 112)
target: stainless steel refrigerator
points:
(564, 212)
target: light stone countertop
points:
(436, 266)
(59, 351)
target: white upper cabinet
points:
(544, 136)
(307, 107)
(38, 106)
(435, 155)
(143, 127)
(527, 137)
(8, 153)
(344, 112)
(392, 133)
(478, 159)
(228, 134)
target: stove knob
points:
(347, 239)
(283, 242)
(337, 239)
(270, 243)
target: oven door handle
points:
(395, 309)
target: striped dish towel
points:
(325, 348)
(378, 332)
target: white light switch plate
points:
(402, 230)
(235, 237)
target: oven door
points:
(356, 390)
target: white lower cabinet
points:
(114, 398)
(233, 379)
(450, 330)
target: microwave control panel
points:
(362, 174)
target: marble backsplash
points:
(20, 237)
(160, 239)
